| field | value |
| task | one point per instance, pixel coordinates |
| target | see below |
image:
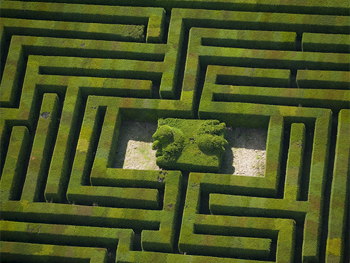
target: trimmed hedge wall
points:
(327, 7)
(339, 204)
(302, 97)
(323, 79)
(38, 165)
(201, 233)
(251, 76)
(295, 162)
(336, 43)
(246, 38)
(66, 234)
(13, 171)
(28, 252)
(72, 73)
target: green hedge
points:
(319, 79)
(337, 43)
(339, 204)
(237, 76)
(65, 234)
(222, 202)
(295, 162)
(115, 81)
(119, 187)
(302, 97)
(41, 149)
(14, 251)
(11, 73)
(13, 172)
(246, 38)
(270, 21)
(58, 176)
(327, 7)
(115, 197)
(52, 213)
(110, 23)
(202, 234)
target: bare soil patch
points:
(245, 153)
(134, 148)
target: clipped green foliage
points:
(19, 251)
(195, 145)
(338, 43)
(169, 143)
(251, 76)
(232, 233)
(319, 79)
(72, 72)
(295, 161)
(247, 38)
(14, 164)
(210, 137)
(339, 206)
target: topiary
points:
(168, 142)
(209, 137)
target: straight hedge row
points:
(38, 165)
(337, 43)
(13, 169)
(339, 204)
(309, 97)
(244, 76)
(111, 32)
(273, 59)
(67, 235)
(321, 79)
(269, 21)
(108, 22)
(327, 7)
(94, 216)
(14, 251)
(246, 38)
(295, 162)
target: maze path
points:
(72, 72)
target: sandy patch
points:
(134, 148)
(245, 153)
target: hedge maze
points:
(73, 71)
